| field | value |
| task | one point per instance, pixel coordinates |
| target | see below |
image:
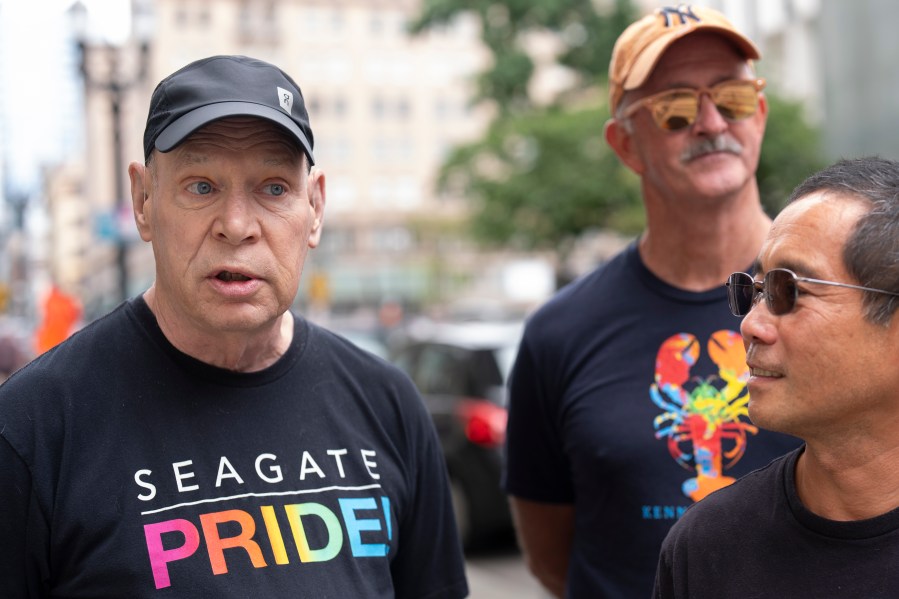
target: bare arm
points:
(545, 532)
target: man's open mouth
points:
(231, 276)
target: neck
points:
(842, 485)
(696, 245)
(239, 351)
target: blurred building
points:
(68, 240)
(854, 49)
(4, 209)
(385, 110)
(40, 117)
(838, 58)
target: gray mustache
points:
(722, 143)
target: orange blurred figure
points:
(61, 311)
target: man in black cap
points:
(202, 440)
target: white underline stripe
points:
(272, 494)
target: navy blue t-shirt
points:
(130, 469)
(628, 400)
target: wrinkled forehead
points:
(240, 128)
(242, 135)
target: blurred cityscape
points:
(386, 108)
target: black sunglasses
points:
(779, 287)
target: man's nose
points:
(758, 326)
(237, 221)
(708, 120)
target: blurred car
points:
(460, 370)
(367, 340)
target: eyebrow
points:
(801, 270)
(293, 160)
(187, 158)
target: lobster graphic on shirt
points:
(701, 415)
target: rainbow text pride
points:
(179, 539)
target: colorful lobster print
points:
(701, 413)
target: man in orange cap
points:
(628, 398)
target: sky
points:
(40, 94)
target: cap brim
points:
(647, 60)
(180, 129)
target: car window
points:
(505, 359)
(406, 360)
(483, 373)
(440, 371)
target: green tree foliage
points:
(542, 176)
(541, 182)
(790, 153)
(587, 39)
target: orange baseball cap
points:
(642, 44)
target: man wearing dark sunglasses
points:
(822, 344)
(628, 399)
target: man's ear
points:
(762, 112)
(317, 197)
(140, 193)
(620, 137)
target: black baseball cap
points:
(219, 87)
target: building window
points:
(339, 106)
(403, 109)
(393, 239)
(313, 106)
(378, 108)
(258, 22)
(407, 192)
(380, 150)
(342, 192)
(375, 23)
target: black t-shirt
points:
(129, 469)
(756, 539)
(628, 401)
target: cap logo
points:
(285, 99)
(682, 12)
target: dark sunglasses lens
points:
(736, 100)
(740, 289)
(676, 111)
(780, 287)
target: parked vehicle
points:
(460, 370)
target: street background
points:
(501, 574)
(467, 177)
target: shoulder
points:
(56, 384)
(738, 505)
(568, 307)
(99, 343)
(340, 352)
(361, 374)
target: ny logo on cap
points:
(681, 12)
(285, 99)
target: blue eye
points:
(276, 189)
(200, 187)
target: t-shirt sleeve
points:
(536, 467)
(430, 564)
(664, 582)
(23, 528)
